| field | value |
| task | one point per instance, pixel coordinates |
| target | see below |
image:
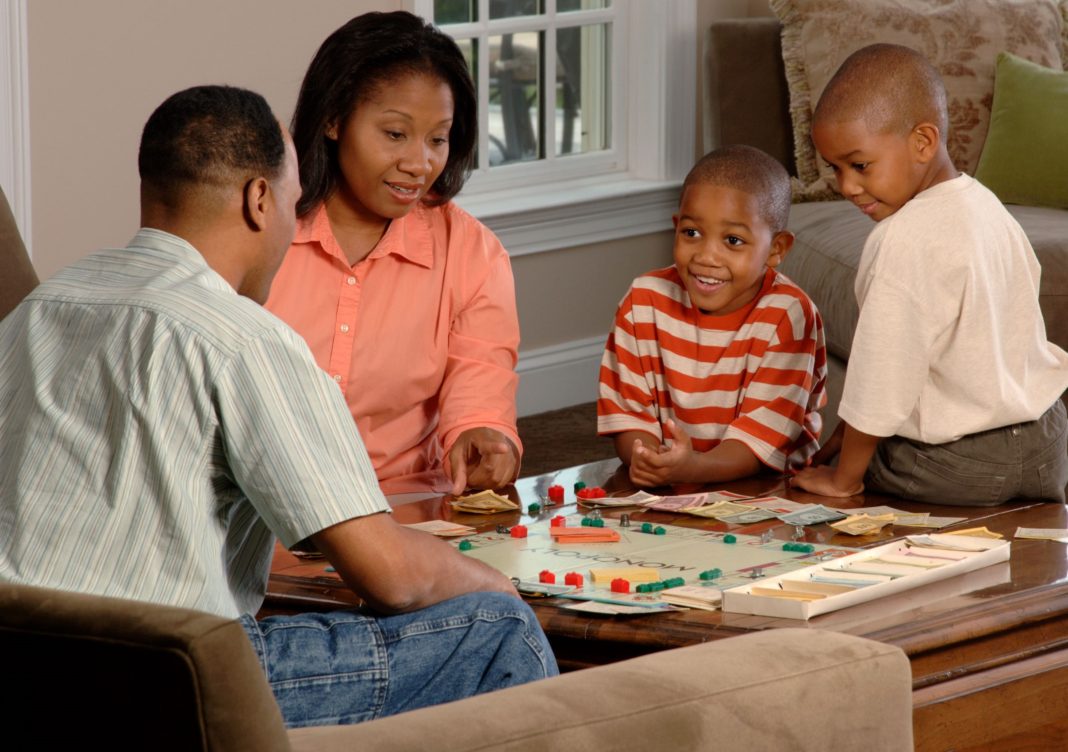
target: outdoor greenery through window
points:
(543, 69)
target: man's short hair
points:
(747, 169)
(214, 136)
(890, 87)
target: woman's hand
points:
(482, 458)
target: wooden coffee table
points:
(989, 649)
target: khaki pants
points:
(1028, 460)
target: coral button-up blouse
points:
(420, 336)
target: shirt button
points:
(344, 328)
(351, 280)
(337, 377)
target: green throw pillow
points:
(1025, 157)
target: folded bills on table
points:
(678, 503)
(813, 514)
(720, 509)
(442, 528)
(863, 524)
(1043, 533)
(484, 502)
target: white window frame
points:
(654, 100)
(15, 115)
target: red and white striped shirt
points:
(756, 375)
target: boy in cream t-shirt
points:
(952, 392)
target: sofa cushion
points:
(960, 37)
(1025, 157)
(778, 689)
(830, 239)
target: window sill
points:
(591, 210)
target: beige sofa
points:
(746, 101)
(83, 670)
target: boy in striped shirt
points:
(716, 366)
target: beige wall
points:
(97, 69)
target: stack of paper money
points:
(812, 514)
(721, 509)
(484, 502)
(1043, 533)
(863, 524)
(442, 528)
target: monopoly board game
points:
(677, 552)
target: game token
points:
(659, 531)
(534, 508)
(466, 545)
(547, 577)
(624, 520)
(586, 521)
(595, 514)
(799, 532)
(579, 485)
(556, 494)
(519, 531)
(710, 574)
(597, 523)
(573, 578)
(502, 529)
(647, 527)
(728, 538)
(558, 521)
(620, 586)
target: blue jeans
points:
(350, 666)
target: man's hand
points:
(396, 570)
(481, 458)
(659, 467)
(821, 480)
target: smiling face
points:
(723, 244)
(879, 172)
(393, 146)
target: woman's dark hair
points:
(353, 62)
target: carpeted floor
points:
(562, 438)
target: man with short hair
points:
(160, 429)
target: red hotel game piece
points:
(558, 521)
(547, 577)
(519, 531)
(556, 494)
(620, 585)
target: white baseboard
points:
(558, 375)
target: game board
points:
(679, 552)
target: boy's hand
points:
(481, 458)
(650, 468)
(821, 480)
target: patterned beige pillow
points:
(961, 37)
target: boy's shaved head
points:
(890, 87)
(752, 171)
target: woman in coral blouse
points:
(406, 300)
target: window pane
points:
(513, 8)
(455, 11)
(566, 6)
(515, 96)
(583, 101)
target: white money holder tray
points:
(742, 600)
